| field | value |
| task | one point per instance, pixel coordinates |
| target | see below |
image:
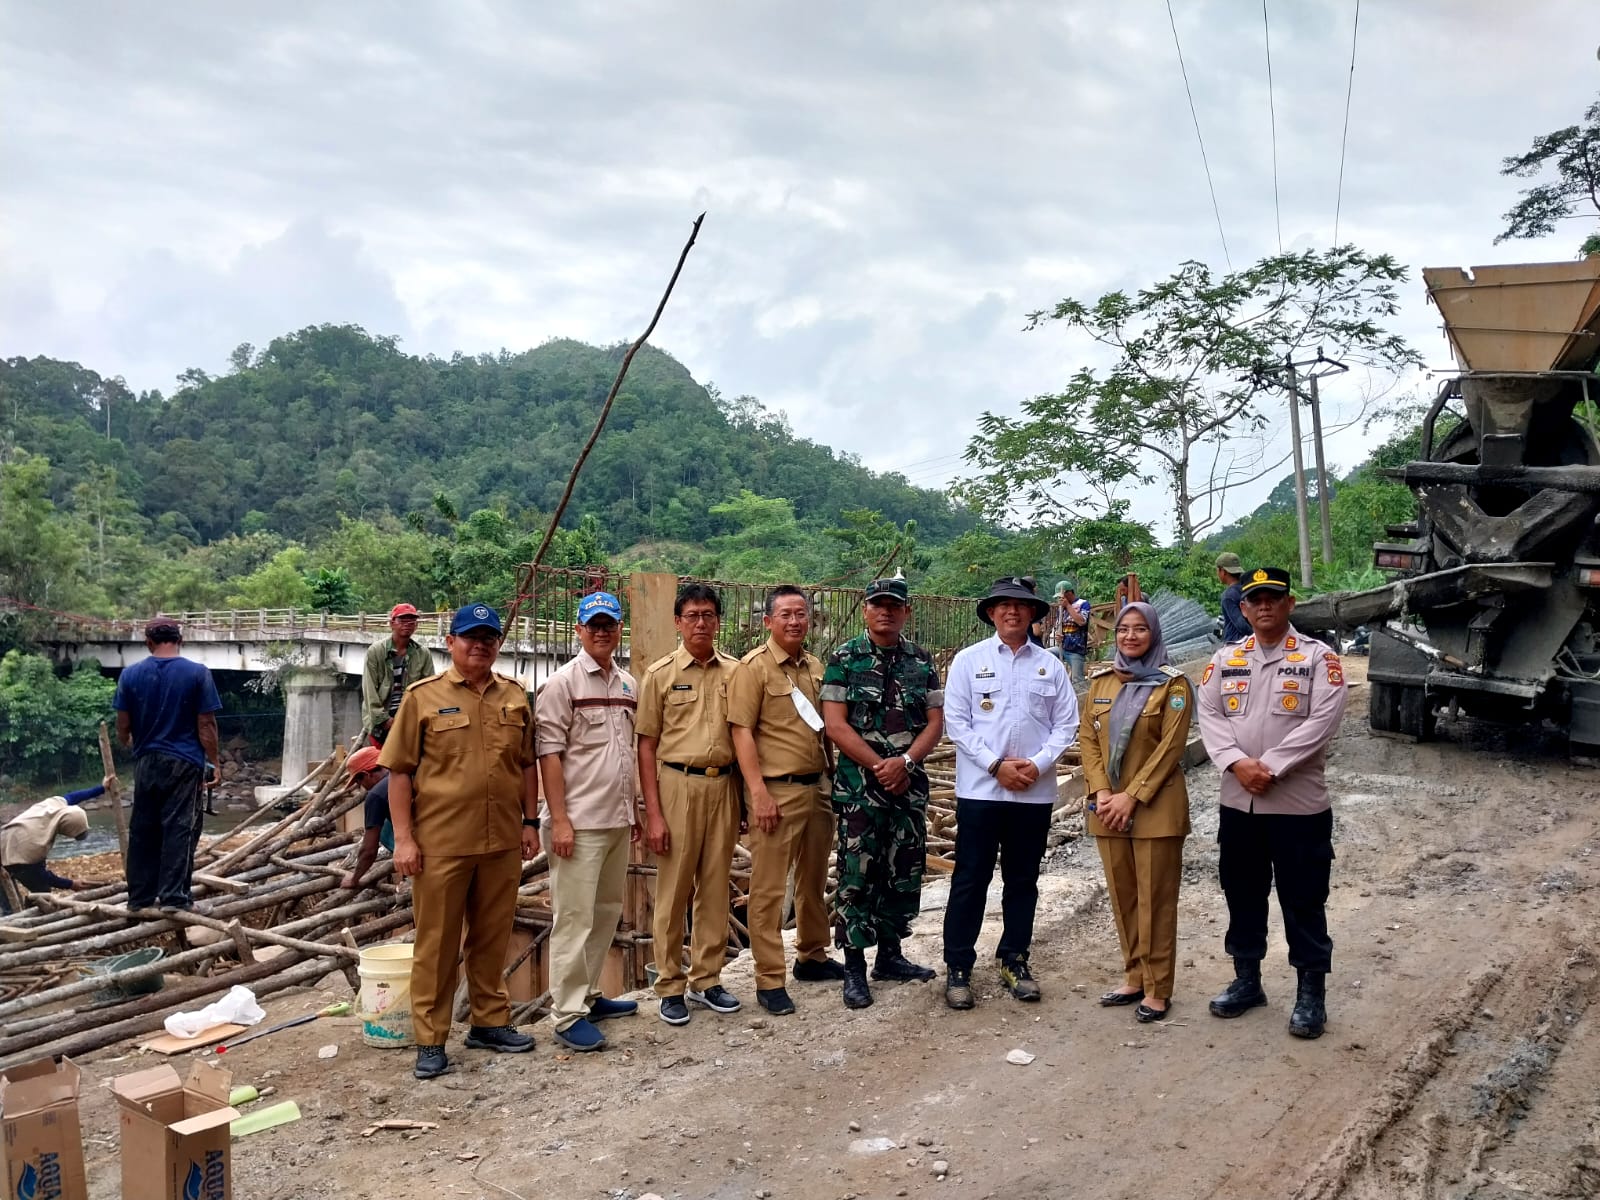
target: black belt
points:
(808, 780)
(708, 772)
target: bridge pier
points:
(319, 715)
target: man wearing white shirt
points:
(1011, 711)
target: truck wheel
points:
(1383, 708)
(1416, 714)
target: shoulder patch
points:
(1100, 669)
(1210, 667)
(1172, 672)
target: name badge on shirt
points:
(986, 673)
(683, 687)
(807, 711)
(445, 712)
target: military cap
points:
(1229, 561)
(895, 589)
(1265, 579)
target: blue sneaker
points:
(603, 1009)
(581, 1036)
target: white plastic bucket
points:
(385, 1004)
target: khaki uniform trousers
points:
(586, 903)
(803, 843)
(478, 892)
(702, 815)
(1142, 878)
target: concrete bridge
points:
(318, 657)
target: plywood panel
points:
(651, 631)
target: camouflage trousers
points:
(881, 855)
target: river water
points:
(102, 837)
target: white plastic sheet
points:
(238, 1007)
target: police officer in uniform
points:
(463, 796)
(775, 717)
(691, 798)
(883, 708)
(1269, 706)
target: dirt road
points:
(1461, 1058)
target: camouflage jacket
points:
(887, 693)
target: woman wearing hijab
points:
(1135, 726)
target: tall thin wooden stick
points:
(526, 577)
(115, 793)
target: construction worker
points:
(26, 840)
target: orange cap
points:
(402, 610)
(364, 759)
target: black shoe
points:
(818, 970)
(673, 1010)
(198, 907)
(895, 966)
(1144, 1014)
(1243, 994)
(431, 1062)
(716, 997)
(503, 1038)
(1118, 999)
(856, 992)
(958, 989)
(1310, 1006)
(1018, 980)
(775, 1000)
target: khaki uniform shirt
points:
(1152, 764)
(465, 754)
(1281, 705)
(684, 705)
(586, 717)
(760, 699)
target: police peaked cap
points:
(1265, 579)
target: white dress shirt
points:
(1031, 713)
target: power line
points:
(1272, 112)
(1338, 198)
(1196, 117)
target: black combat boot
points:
(856, 992)
(1310, 1006)
(893, 965)
(1244, 993)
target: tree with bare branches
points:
(1181, 401)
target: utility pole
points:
(1302, 525)
(1318, 367)
(1316, 442)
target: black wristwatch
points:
(530, 822)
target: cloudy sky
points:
(890, 187)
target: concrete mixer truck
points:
(1494, 606)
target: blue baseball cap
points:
(599, 604)
(474, 616)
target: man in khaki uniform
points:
(775, 720)
(463, 796)
(586, 762)
(691, 804)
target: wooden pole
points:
(525, 582)
(115, 792)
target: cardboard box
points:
(44, 1144)
(175, 1133)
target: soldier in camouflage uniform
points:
(883, 707)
